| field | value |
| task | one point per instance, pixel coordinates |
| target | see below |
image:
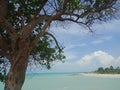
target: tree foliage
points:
(3, 70)
(108, 70)
(24, 26)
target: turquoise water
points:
(68, 82)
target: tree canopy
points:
(108, 70)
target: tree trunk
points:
(16, 75)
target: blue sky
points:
(87, 51)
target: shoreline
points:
(98, 75)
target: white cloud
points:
(98, 58)
(89, 62)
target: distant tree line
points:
(108, 70)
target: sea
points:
(67, 81)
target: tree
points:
(24, 30)
(111, 67)
(100, 70)
(108, 70)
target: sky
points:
(86, 51)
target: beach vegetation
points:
(108, 70)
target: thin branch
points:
(51, 5)
(55, 4)
(70, 19)
(40, 7)
(44, 11)
(60, 49)
(22, 21)
(72, 14)
(65, 5)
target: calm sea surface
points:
(62, 81)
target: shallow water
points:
(68, 82)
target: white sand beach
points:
(100, 75)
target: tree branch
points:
(60, 49)
(3, 8)
(65, 5)
(10, 30)
(69, 19)
(42, 32)
(5, 24)
(51, 5)
(80, 18)
(55, 4)
(48, 19)
(1, 53)
(27, 30)
(3, 46)
(40, 7)
(1, 42)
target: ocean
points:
(68, 81)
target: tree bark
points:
(16, 75)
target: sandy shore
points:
(99, 75)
